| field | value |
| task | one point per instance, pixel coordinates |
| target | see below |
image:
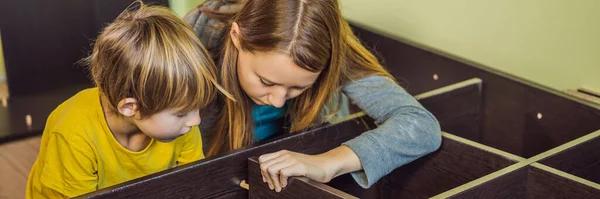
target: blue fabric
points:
(268, 121)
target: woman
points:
(287, 64)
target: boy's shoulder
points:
(84, 102)
(76, 114)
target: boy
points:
(152, 76)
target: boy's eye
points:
(181, 115)
(265, 83)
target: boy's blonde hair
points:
(153, 56)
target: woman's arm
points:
(406, 132)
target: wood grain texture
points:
(459, 111)
(528, 183)
(16, 160)
(456, 107)
(512, 185)
(562, 120)
(298, 187)
(219, 177)
(414, 67)
(582, 160)
(542, 184)
(452, 165)
(347, 184)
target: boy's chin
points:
(165, 140)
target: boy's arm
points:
(192, 147)
(70, 166)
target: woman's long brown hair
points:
(315, 36)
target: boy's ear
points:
(128, 107)
(234, 34)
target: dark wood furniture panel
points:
(454, 164)
(510, 106)
(299, 188)
(530, 182)
(220, 177)
(459, 111)
(198, 179)
(42, 41)
(582, 160)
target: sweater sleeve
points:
(405, 132)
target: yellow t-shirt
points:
(78, 153)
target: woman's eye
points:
(265, 83)
(301, 89)
(181, 115)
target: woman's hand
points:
(277, 167)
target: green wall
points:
(552, 42)
(182, 7)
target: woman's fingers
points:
(272, 159)
(296, 169)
